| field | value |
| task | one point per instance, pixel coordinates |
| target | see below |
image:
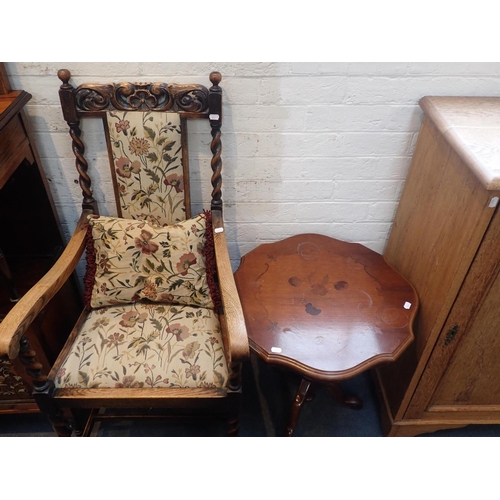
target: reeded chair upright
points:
(162, 327)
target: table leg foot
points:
(349, 400)
(298, 403)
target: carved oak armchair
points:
(162, 326)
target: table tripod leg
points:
(336, 392)
(297, 405)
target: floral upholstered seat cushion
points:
(147, 168)
(129, 260)
(146, 345)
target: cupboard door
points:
(473, 375)
(463, 370)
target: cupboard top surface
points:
(472, 127)
(10, 104)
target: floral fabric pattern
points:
(129, 260)
(146, 345)
(147, 165)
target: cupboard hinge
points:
(451, 334)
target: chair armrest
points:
(234, 319)
(19, 318)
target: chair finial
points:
(64, 75)
(215, 78)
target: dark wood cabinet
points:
(30, 242)
(445, 241)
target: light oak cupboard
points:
(446, 241)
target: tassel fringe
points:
(90, 271)
(210, 264)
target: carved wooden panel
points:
(141, 97)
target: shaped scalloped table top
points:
(325, 308)
(471, 125)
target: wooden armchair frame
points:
(191, 102)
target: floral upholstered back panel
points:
(147, 165)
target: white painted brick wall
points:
(307, 147)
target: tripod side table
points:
(327, 309)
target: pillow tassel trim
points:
(91, 269)
(210, 264)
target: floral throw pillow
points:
(131, 260)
